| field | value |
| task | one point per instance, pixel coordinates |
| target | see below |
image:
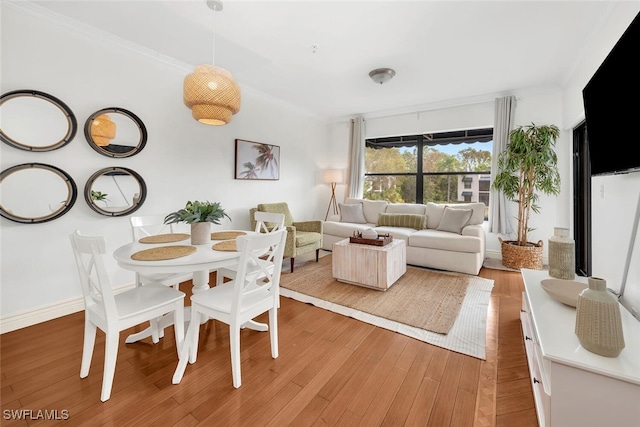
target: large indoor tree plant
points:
(527, 166)
(200, 215)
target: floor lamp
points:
(333, 177)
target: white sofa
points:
(445, 237)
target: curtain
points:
(503, 123)
(356, 159)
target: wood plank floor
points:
(332, 371)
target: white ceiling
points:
(444, 52)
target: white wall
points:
(183, 159)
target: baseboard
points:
(46, 312)
(493, 254)
(40, 314)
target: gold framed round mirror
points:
(115, 132)
(31, 120)
(115, 191)
(33, 193)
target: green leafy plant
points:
(198, 212)
(99, 196)
(528, 164)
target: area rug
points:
(448, 310)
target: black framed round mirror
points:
(115, 191)
(115, 132)
(33, 193)
(35, 121)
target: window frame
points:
(420, 141)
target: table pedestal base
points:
(200, 284)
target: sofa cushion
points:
(304, 238)
(396, 232)
(342, 229)
(436, 210)
(372, 208)
(406, 208)
(454, 220)
(402, 220)
(434, 214)
(443, 240)
(478, 208)
(352, 213)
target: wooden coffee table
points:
(376, 267)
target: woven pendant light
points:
(210, 91)
(103, 130)
(212, 95)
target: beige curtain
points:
(503, 123)
(356, 159)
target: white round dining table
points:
(204, 260)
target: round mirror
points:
(35, 192)
(115, 132)
(35, 121)
(115, 191)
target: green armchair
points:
(302, 236)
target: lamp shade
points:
(332, 175)
(103, 130)
(212, 95)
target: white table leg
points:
(167, 320)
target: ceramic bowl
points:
(565, 291)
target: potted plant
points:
(200, 215)
(528, 165)
(99, 196)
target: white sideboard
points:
(571, 385)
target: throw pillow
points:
(418, 222)
(352, 213)
(454, 220)
(434, 213)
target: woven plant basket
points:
(517, 257)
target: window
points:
(453, 167)
(467, 180)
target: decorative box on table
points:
(382, 240)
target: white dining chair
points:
(236, 302)
(113, 313)
(266, 222)
(151, 225)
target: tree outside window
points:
(454, 167)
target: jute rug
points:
(445, 309)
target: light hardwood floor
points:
(332, 370)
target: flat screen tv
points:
(612, 107)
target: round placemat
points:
(227, 245)
(163, 252)
(164, 238)
(225, 235)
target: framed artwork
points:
(255, 160)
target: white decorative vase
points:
(598, 321)
(562, 258)
(200, 233)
